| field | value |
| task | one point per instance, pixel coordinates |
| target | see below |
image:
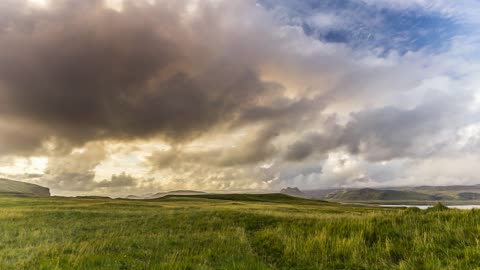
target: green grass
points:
(232, 232)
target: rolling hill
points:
(457, 194)
(245, 197)
(13, 188)
(163, 194)
(175, 192)
(369, 194)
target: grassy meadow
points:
(232, 232)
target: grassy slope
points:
(225, 232)
(272, 197)
(21, 189)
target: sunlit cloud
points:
(39, 3)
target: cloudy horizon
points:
(129, 97)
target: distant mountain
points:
(324, 193)
(369, 194)
(21, 189)
(295, 192)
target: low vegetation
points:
(232, 232)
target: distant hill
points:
(445, 188)
(94, 197)
(369, 194)
(468, 196)
(21, 189)
(457, 193)
(266, 197)
(163, 194)
(295, 192)
(175, 192)
(134, 197)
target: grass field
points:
(232, 232)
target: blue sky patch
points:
(360, 25)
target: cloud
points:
(19, 137)
(75, 171)
(234, 94)
(137, 73)
(388, 133)
(250, 151)
(118, 181)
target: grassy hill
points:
(367, 194)
(232, 231)
(163, 194)
(265, 198)
(175, 192)
(449, 194)
(12, 188)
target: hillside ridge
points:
(22, 189)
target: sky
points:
(133, 97)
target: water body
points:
(462, 207)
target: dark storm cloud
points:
(83, 72)
(280, 117)
(14, 138)
(302, 149)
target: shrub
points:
(438, 207)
